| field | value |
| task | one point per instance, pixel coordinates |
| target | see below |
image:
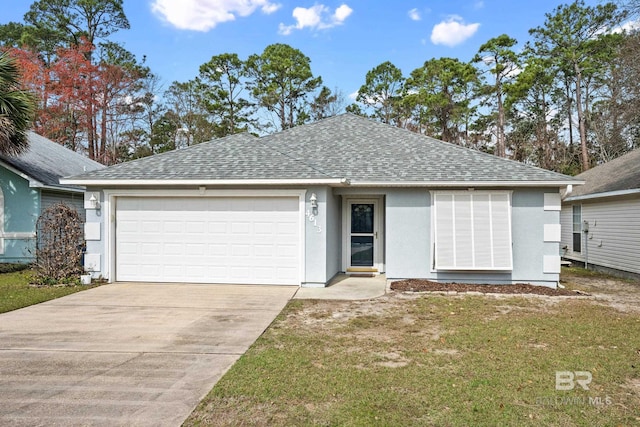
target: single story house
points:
(344, 194)
(29, 183)
(601, 219)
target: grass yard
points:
(407, 359)
(15, 291)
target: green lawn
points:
(15, 291)
(435, 360)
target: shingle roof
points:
(364, 150)
(47, 162)
(622, 173)
(240, 156)
(344, 146)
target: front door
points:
(363, 239)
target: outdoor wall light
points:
(94, 203)
(314, 203)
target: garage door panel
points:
(287, 251)
(208, 240)
(263, 229)
(263, 250)
(196, 249)
(286, 272)
(173, 227)
(127, 226)
(216, 227)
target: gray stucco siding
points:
(316, 238)
(408, 233)
(528, 220)
(334, 234)
(98, 247)
(409, 240)
(407, 236)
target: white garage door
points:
(208, 240)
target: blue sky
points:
(343, 39)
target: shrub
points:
(59, 246)
(12, 267)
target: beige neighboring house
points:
(600, 220)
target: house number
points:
(312, 218)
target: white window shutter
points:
(472, 230)
(483, 230)
(463, 238)
(501, 233)
(444, 230)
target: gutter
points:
(62, 188)
(464, 184)
(567, 192)
(334, 182)
(605, 194)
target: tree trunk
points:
(500, 146)
(569, 99)
(581, 120)
(91, 143)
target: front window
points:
(577, 228)
(472, 230)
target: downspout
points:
(585, 230)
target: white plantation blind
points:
(472, 230)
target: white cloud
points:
(452, 31)
(342, 13)
(414, 14)
(628, 26)
(317, 17)
(203, 15)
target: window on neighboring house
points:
(472, 230)
(577, 228)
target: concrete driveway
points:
(127, 354)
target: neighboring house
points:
(344, 194)
(601, 219)
(29, 183)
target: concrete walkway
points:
(344, 287)
(127, 354)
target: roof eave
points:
(64, 188)
(468, 184)
(603, 195)
(334, 182)
(33, 183)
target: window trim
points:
(471, 193)
(573, 229)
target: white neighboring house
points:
(601, 219)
